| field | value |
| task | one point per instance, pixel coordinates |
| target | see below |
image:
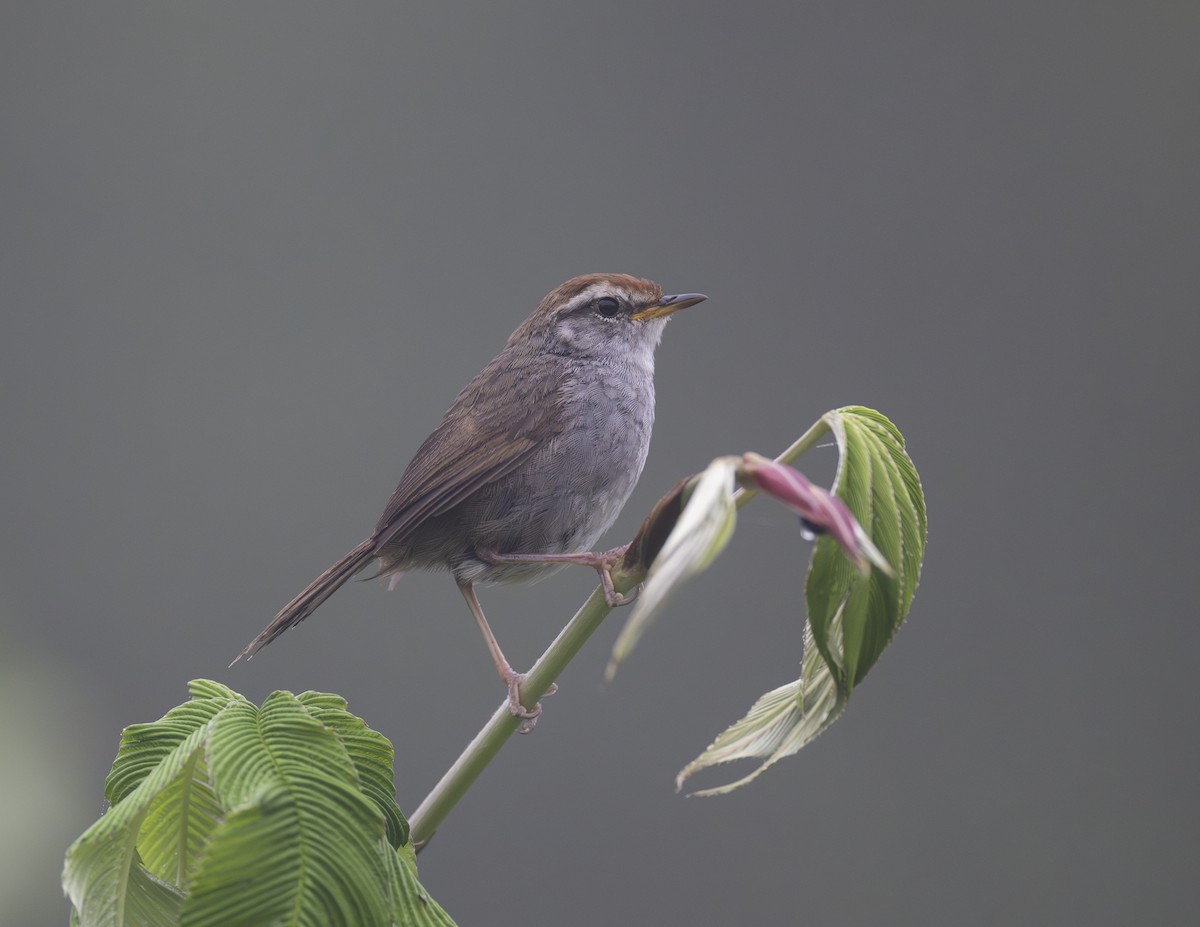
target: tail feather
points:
(311, 598)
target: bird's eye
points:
(608, 307)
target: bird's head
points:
(598, 315)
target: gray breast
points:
(570, 492)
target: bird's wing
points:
(497, 422)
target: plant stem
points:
(501, 726)
(805, 442)
(487, 743)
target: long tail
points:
(311, 598)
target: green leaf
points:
(302, 844)
(410, 905)
(179, 823)
(703, 529)
(104, 876)
(851, 617)
(144, 746)
(878, 482)
(369, 751)
(225, 814)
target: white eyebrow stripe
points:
(597, 290)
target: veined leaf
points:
(701, 533)
(291, 787)
(851, 616)
(104, 876)
(179, 823)
(778, 724)
(144, 746)
(877, 481)
(228, 815)
(369, 751)
(165, 824)
(410, 905)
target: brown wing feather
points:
(479, 440)
(498, 420)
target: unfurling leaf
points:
(820, 511)
(700, 533)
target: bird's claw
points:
(529, 716)
(529, 719)
(617, 599)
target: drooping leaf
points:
(851, 616)
(778, 724)
(700, 534)
(878, 482)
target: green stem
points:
(805, 442)
(487, 743)
(501, 726)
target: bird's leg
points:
(510, 677)
(602, 562)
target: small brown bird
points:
(531, 463)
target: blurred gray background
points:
(251, 251)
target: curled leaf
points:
(701, 532)
(655, 529)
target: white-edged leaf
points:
(778, 724)
(700, 534)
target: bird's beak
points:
(667, 305)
